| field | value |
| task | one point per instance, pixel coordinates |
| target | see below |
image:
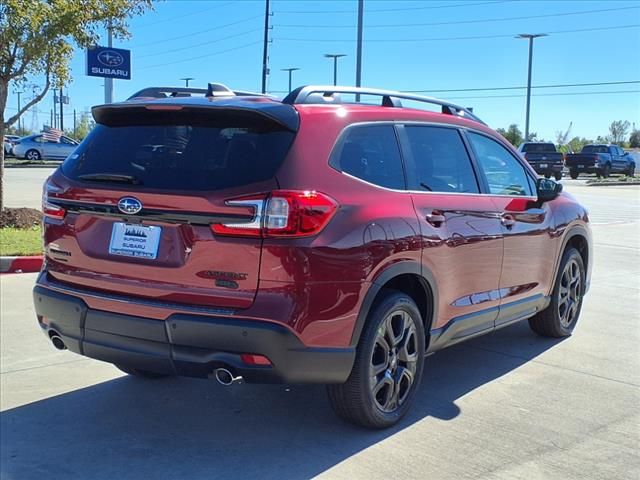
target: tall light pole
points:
(186, 80)
(335, 57)
(293, 69)
(529, 36)
(359, 48)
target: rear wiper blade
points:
(111, 177)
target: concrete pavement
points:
(510, 405)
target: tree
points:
(618, 131)
(512, 134)
(83, 127)
(634, 139)
(576, 143)
(37, 37)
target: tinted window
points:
(442, 162)
(182, 157)
(371, 152)
(505, 175)
(538, 147)
(595, 149)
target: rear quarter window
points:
(371, 153)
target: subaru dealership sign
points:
(109, 63)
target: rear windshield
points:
(595, 149)
(538, 147)
(180, 157)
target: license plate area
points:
(544, 165)
(130, 240)
(580, 166)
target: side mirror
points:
(547, 189)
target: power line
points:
(474, 37)
(208, 42)
(546, 94)
(461, 22)
(435, 7)
(200, 56)
(217, 27)
(172, 19)
(592, 84)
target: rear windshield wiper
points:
(111, 178)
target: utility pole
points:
(51, 119)
(265, 57)
(108, 82)
(335, 57)
(290, 70)
(186, 80)
(359, 48)
(530, 37)
(19, 118)
(74, 124)
(61, 113)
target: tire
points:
(560, 317)
(632, 170)
(573, 174)
(547, 175)
(357, 401)
(606, 171)
(32, 155)
(558, 176)
(136, 372)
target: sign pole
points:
(61, 114)
(108, 82)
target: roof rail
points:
(166, 92)
(326, 94)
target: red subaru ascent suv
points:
(336, 236)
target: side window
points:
(505, 175)
(66, 141)
(441, 160)
(38, 139)
(371, 153)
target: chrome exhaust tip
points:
(225, 377)
(58, 342)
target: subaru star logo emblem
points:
(129, 205)
(110, 58)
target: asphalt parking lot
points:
(506, 406)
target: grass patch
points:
(624, 178)
(20, 241)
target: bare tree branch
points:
(35, 100)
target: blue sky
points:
(408, 45)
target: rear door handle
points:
(508, 220)
(435, 218)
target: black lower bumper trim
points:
(189, 345)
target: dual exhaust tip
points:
(223, 375)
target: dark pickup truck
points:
(601, 160)
(543, 157)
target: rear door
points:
(529, 248)
(451, 210)
(142, 192)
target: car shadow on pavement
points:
(191, 429)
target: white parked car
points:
(8, 143)
(36, 147)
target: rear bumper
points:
(188, 344)
(549, 169)
(584, 168)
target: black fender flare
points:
(573, 231)
(401, 268)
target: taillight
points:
(49, 209)
(282, 213)
(252, 359)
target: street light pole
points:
(186, 80)
(290, 70)
(335, 57)
(530, 37)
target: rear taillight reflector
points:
(53, 211)
(282, 213)
(251, 359)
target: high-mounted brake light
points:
(282, 213)
(163, 107)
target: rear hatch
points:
(131, 210)
(540, 153)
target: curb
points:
(21, 264)
(610, 184)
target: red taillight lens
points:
(49, 209)
(283, 213)
(251, 359)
